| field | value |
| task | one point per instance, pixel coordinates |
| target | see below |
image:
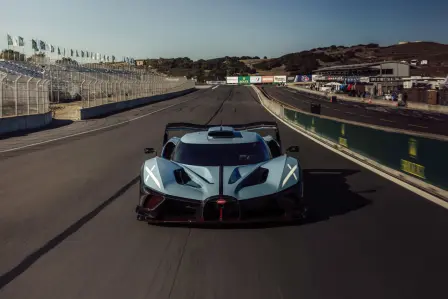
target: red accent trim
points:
(221, 201)
(220, 213)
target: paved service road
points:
(68, 229)
(400, 118)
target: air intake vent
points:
(221, 134)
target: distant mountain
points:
(307, 61)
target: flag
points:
(15, 41)
(107, 58)
(98, 56)
(77, 54)
(52, 48)
(47, 47)
(64, 51)
(87, 54)
(82, 53)
(21, 42)
(9, 38)
(34, 45)
(71, 52)
(42, 45)
(104, 57)
(113, 58)
(59, 51)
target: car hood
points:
(241, 182)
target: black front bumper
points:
(285, 206)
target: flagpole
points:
(7, 42)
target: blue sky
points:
(207, 29)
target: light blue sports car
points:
(227, 173)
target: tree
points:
(265, 57)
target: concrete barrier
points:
(24, 122)
(106, 109)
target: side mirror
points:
(293, 149)
(150, 150)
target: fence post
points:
(16, 94)
(28, 95)
(94, 91)
(47, 97)
(1, 95)
(88, 94)
(82, 99)
(121, 90)
(38, 97)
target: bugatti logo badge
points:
(305, 79)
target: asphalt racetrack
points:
(392, 117)
(68, 228)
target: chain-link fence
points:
(29, 87)
(22, 95)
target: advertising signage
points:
(255, 79)
(280, 79)
(243, 80)
(267, 79)
(232, 80)
(303, 78)
(385, 79)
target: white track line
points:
(215, 87)
(90, 131)
(405, 185)
(391, 121)
(417, 126)
(350, 113)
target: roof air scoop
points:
(221, 132)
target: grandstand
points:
(28, 87)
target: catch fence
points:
(30, 87)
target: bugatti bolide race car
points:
(221, 174)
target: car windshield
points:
(221, 154)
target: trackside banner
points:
(232, 80)
(279, 79)
(267, 79)
(303, 78)
(255, 79)
(243, 80)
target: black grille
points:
(230, 210)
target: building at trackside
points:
(377, 77)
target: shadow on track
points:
(36, 255)
(328, 195)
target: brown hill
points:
(307, 61)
